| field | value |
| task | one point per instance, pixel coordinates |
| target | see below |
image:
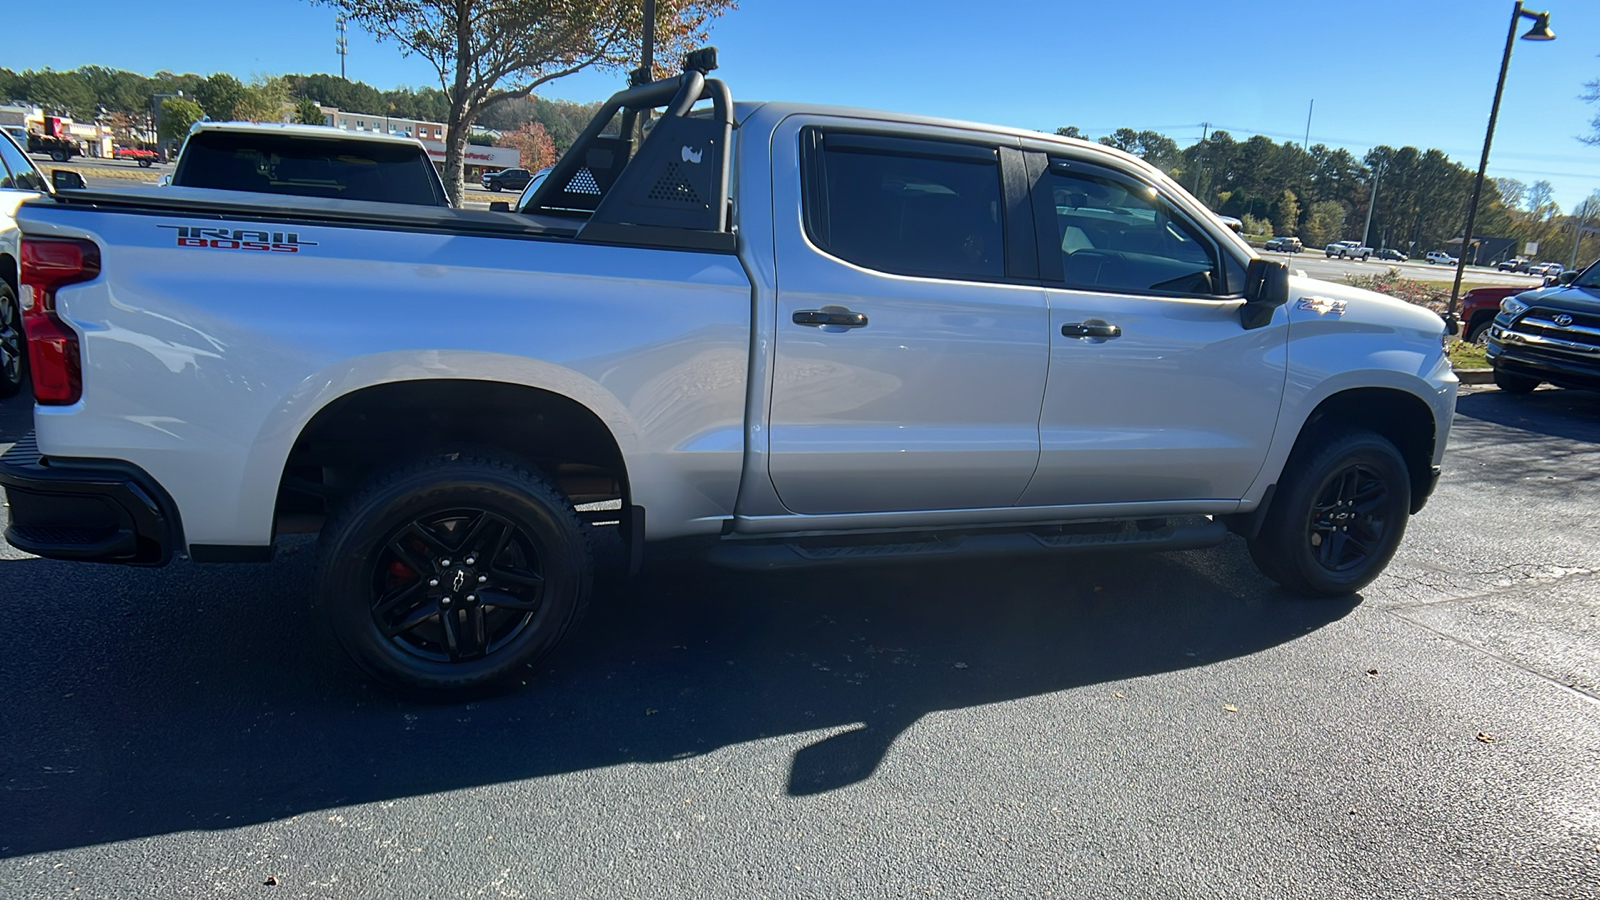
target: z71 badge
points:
(238, 239)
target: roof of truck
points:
(309, 131)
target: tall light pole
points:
(341, 44)
(1539, 32)
(1377, 179)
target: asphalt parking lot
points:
(1155, 726)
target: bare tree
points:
(1511, 192)
(489, 51)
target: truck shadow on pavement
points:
(146, 702)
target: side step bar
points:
(1174, 534)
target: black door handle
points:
(836, 316)
(1091, 330)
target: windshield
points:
(309, 167)
(1590, 277)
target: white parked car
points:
(1441, 258)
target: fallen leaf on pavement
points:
(1372, 671)
(1229, 707)
(1119, 695)
(1486, 737)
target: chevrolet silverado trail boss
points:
(808, 335)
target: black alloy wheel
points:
(13, 344)
(451, 575)
(456, 585)
(1338, 516)
(1348, 518)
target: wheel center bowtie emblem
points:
(461, 578)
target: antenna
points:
(340, 44)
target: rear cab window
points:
(304, 166)
(907, 206)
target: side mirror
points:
(164, 180)
(66, 180)
(1567, 278)
(499, 206)
(1266, 287)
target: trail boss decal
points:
(239, 239)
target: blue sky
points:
(1417, 72)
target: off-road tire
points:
(1512, 383)
(356, 556)
(1290, 546)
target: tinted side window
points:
(308, 167)
(23, 176)
(910, 207)
(1119, 236)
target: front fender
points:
(1361, 340)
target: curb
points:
(1475, 376)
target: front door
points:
(1157, 393)
(910, 355)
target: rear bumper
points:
(86, 510)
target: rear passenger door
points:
(912, 335)
(1157, 393)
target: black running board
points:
(1176, 534)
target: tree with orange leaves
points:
(489, 51)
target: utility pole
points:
(340, 43)
(1200, 167)
(1306, 144)
(1583, 212)
(1377, 179)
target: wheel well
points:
(1404, 419)
(388, 423)
(1478, 318)
(8, 270)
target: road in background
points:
(1121, 726)
(1317, 265)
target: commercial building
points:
(431, 134)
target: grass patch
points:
(1467, 356)
(1444, 286)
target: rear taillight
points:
(49, 264)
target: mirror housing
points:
(66, 180)
(164, 180)
(1266, 287)
(500, 206)
(1567, 277)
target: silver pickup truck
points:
(805, 335)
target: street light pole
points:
(1539, 32)
(1377, 179)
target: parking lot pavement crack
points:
(1531, 574)
(1399, 613)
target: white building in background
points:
(431, 134)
